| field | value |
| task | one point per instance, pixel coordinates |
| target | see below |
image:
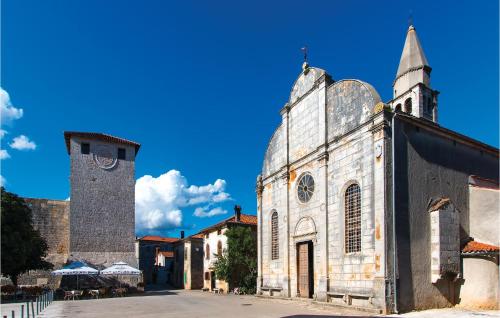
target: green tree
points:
(238, 263)
(23, 248)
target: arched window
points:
(275, 252)
(207, 251)
(219, 248)
(398, 108)
(408, 105)
(352, 219)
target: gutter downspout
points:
(394, 255)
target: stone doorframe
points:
(305, 231)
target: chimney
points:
(182, 234)
(237, 213)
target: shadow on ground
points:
(333, 316)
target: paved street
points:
(182, 303)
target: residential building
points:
(215, 243)
(148, 251)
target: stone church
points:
(375, 205)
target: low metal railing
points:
(37, 305)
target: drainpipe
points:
(394, 254)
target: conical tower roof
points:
(413, 56)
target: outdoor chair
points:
(77, 293)
(68, 294)
(94, 293)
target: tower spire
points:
(412, 88)
(413, 56)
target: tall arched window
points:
(219, 248)
(275, 252)
(353, 219)
(207, 251)
(398, 108)
(408, 105)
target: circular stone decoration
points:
(104, 158)
(305, 188)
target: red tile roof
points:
(167, 254)
(480, 182)
(478, 247)
(244, 219)
(155, 238)
(99, 136)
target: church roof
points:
(99, 136)
(413, 56)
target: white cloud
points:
(3, 133)
(2, 181)
(159, 201)
(204, 212)
(8, 113)
(23, 143)
(4, 154)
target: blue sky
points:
(200, 84)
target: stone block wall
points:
(51, 219)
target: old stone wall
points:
(429, 164)
(102, 223)
(51, 219)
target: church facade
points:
(364, 203)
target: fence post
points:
(32, 309)
(13, 314)
(28, 309)
(22, 311)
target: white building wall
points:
(212, 240)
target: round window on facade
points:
(305, 188)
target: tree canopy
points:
(238, 263)
(22, 246)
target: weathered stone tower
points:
(102, 205)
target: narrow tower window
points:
(121, 153)
(207, 251)
(85, 148)
(274, 236)
(353, 219)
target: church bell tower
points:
(412, 87)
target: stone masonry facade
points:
(337, 150)
(102, 221)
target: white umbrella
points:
(76, 268)
(121, 268)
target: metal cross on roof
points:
(304, 50)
